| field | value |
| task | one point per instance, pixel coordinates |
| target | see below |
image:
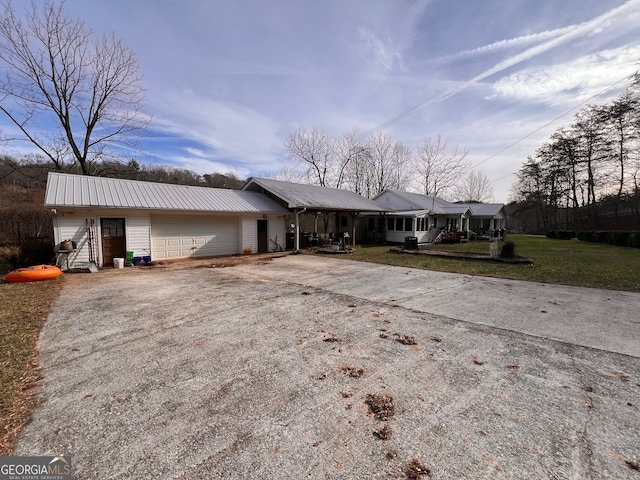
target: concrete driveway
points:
(307, 367)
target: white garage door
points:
(179, 237)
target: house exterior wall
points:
(277, 232)
(250, 234)
(74, 225)
(237, 232)
(276, 228)
(398, 228)
(138, 232)
(70, 227)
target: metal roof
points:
(435, 205)
(297, 195)
(65, 190)
(407, 213)
(484, 209)
(439, 206)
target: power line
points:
(547, 124)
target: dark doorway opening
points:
(263, 236)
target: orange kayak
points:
(33, 274)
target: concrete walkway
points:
(603, 319)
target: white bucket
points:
(118, 263)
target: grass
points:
(23, 310)
(567, 262)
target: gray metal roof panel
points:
(298, 195)
(443, 207)
(484, 209)
(65, 190)
(422, 202)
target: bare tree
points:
(314, 152)
(400, 177)
(475, 187)
(356, 160)
(389, 160)
(84, 93)
(439, 169)
(289, 173)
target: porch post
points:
(296, 243)
(354, 215)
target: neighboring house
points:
(106, 217)
(424, 216)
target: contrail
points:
(521, 57)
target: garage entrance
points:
(198, 236)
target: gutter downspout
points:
(297, 240)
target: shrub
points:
(508, 250)
(551, 234)
(565, 234)
(28, 253)
(620, 239)
(600, 237)
(634, 239)
(585, 236)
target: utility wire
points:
(546, 125)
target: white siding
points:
(250, 234)
(138, 235)
(277, 233)
(72, 228)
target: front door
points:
(263, 236)
(113, 240)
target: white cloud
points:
(377, 51)
(576, 80)
(228, 130)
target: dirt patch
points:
(464, 255)
(355, 372)
(385, 433)
(416, 469)
(476, 360)
(213, 262)
(399, 337)
(380, 405)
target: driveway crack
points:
(588, 403)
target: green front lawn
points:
(568, 262)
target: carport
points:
(312, 199)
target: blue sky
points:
(227, 81)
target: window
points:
(390, 223)
(399, 224)
(408, 224)
(112, 227)
(372, 223)
(343, 221)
